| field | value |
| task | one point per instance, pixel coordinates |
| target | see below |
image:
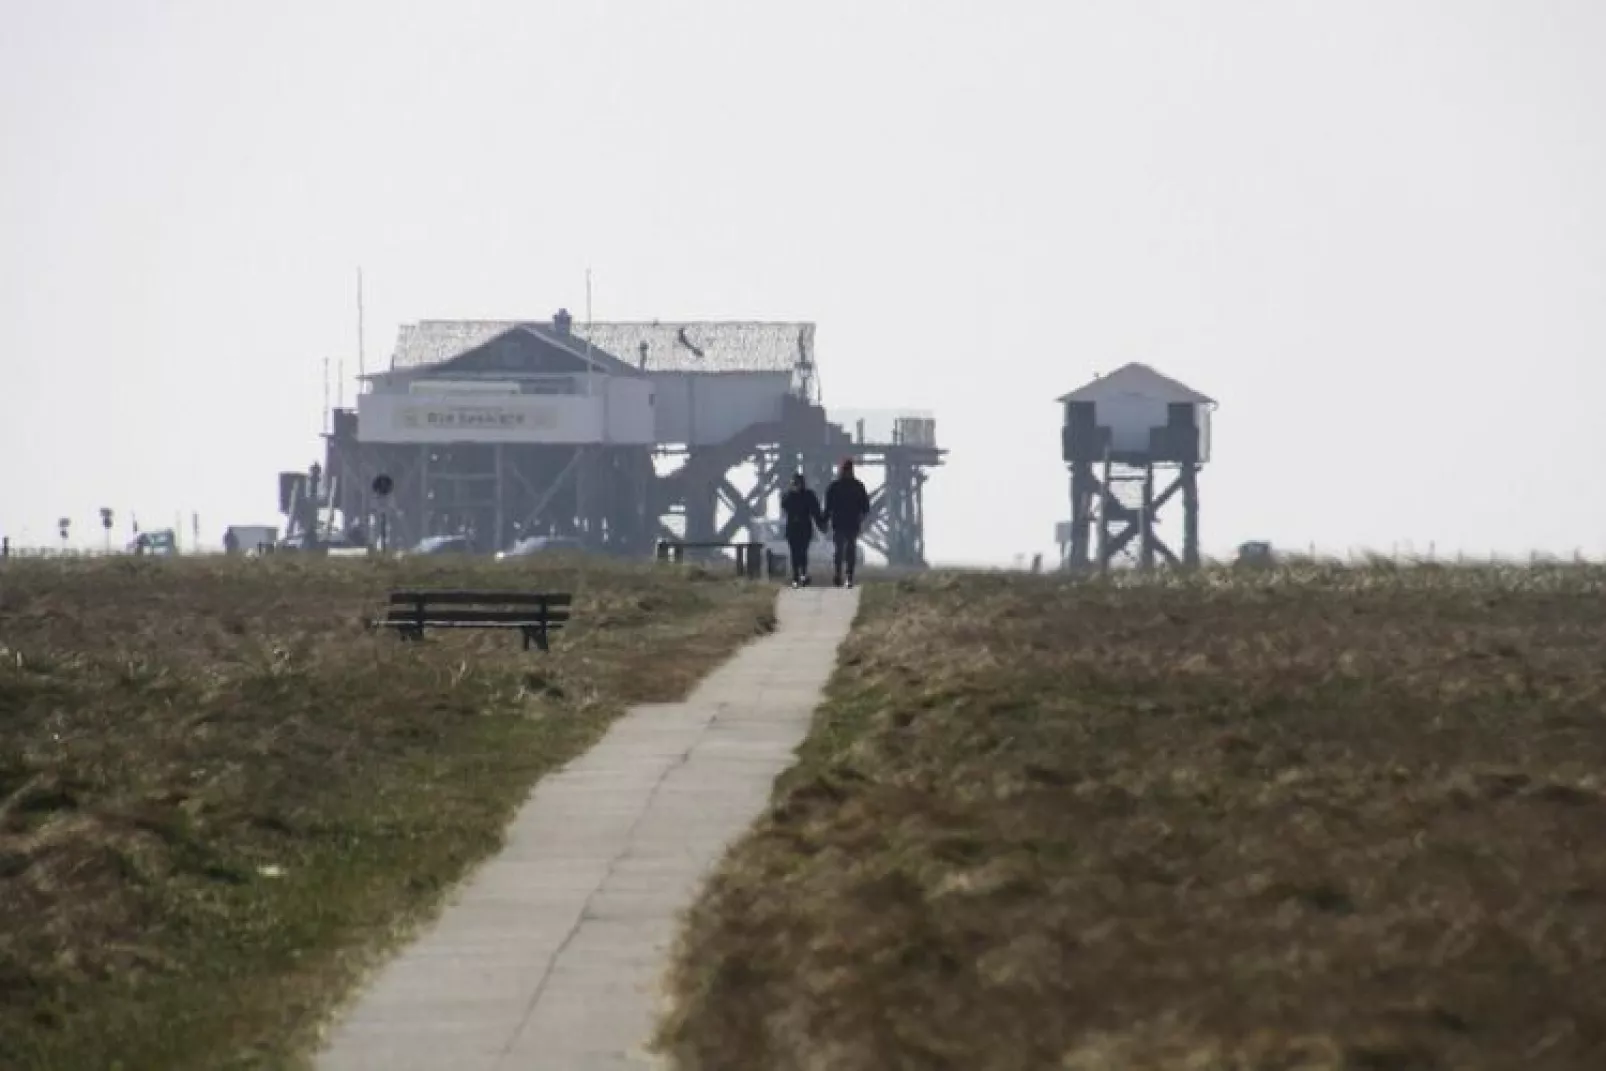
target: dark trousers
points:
(798, 543)
(846, 551)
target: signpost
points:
(64, 525)
(106, 524)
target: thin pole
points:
(590, 378)
(362, 358)
(323, 418)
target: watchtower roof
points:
(1137, 378)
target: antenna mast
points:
(590, 370)
(362, 360)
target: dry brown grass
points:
(1312, 819)
(220, 794)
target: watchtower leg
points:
(1190, 515)
(1146, 519)
(1082, 491)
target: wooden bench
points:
(535, 614)
(749, 556)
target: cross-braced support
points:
(897, 513)
(496, 493)
(1116, 512)
(704, 491)
(612, 497)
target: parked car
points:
(1255, 554)
(531, 545)
(443, 544)
(249, 538)
(162, 543)
(337, 543)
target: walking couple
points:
(846, 507)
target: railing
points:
(896, 427)
(751, 561)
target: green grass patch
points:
(223, 798)
(1312, 818)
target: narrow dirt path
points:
(551, 954)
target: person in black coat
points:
(801, 508)
(847, 505)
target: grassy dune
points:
(220, 795)
(1308, 819)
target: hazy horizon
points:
(1363, 228)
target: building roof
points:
(600, 358)
(709, 346)
(1137, 378)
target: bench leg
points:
(536, 637)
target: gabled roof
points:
(598, 356)
(708, 346)
(527, 343)
(1136, 378)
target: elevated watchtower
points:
(1124, 434)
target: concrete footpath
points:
(550, 956)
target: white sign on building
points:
(621, 411)
(524, 418)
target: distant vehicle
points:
(531, 545)
(249, 538)
(161, 543)
(337, 542)
(1256, 553)
(443, 544)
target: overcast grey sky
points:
(1374, 231)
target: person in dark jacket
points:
(801, 508)
(847, 505)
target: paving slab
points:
(550, 955)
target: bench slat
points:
(537, 614)
(507, 617)
(553, 626)
(475, 598)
